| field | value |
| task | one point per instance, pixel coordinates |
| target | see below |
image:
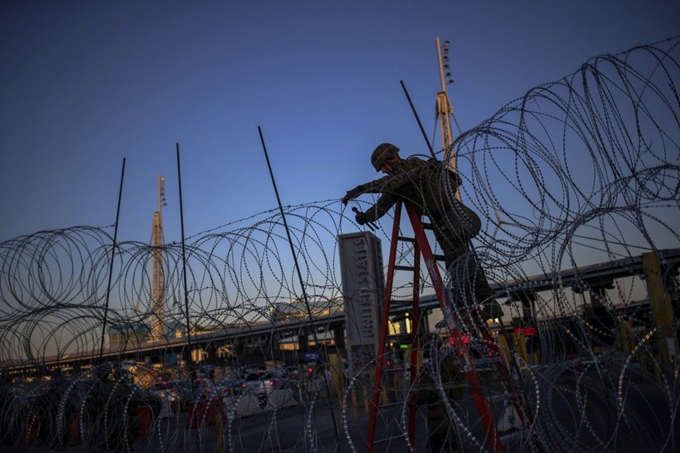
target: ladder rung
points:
(427, 226)
(504, 396)
(404, 268)
(494, 359)
(389, 439)
(406, 239)
(486, 364)
(385, 406)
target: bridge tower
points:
(443, 108)
(157, 274)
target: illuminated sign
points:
(527, 331)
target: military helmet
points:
(383, 152)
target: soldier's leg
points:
(483, 293)
(469, 285)
(454, 257)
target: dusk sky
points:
(85, 84)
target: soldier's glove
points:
(351, 194)
(362, 219)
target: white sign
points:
(363, 284)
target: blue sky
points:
(85, 84)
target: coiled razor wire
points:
(576, 176)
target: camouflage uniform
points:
(441, 434)
(430, 188)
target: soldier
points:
(440, 366)
(429, 187)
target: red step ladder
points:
(421, 246)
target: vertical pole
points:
(302, 284)
(415, 113)
(662, 310)
(113, 255)
(184, 270)
(415, 346)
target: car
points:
(262, 384)
(219, 389)
(168, 394)
(261, 380)
(292, 372)
(252, 368)
(262, 391)
(162, 387)
(228, 387)
(189, 392)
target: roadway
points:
(579, 411)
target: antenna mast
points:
(157, 274)
(443, 107)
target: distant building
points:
(297, 309)
(128, 335)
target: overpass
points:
(593, 278)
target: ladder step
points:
(389, 439)
(486, 360)
(404, 268)
(483, 365)
(393, 370)
(388, 405)
(406, 239)
(504, 396)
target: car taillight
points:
(310, 370)
(175, 391)
(244, 385)
(272, 383)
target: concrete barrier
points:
(204, 413)
(74, 430)
(145, 420)
(29, 430)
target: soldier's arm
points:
(376, 186)
(413, 172)
(369, 187)
(382, 206)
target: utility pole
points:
(157, 274)
(444, 111)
